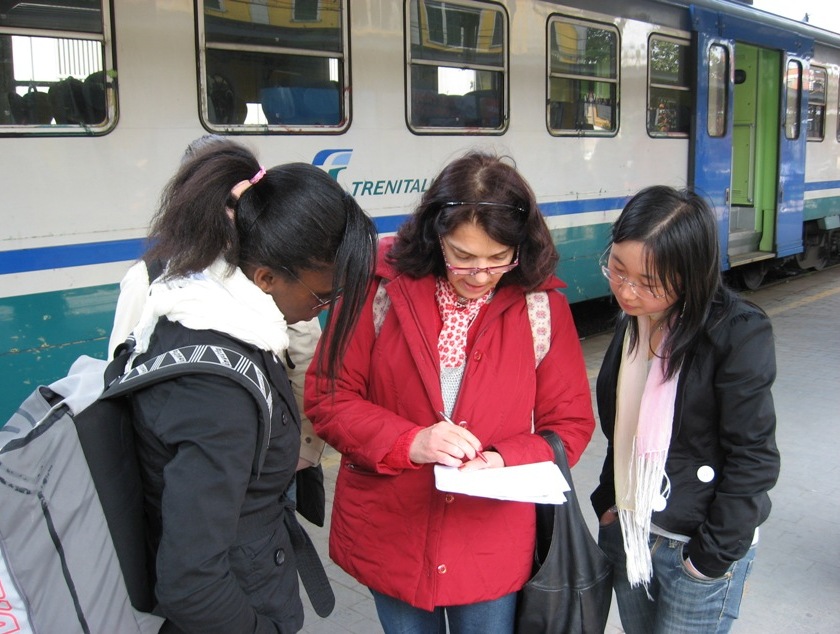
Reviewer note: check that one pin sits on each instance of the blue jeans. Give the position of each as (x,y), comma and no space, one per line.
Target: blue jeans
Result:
(486,617)
(681,604)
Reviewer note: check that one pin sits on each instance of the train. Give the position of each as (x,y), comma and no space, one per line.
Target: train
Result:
(592,100)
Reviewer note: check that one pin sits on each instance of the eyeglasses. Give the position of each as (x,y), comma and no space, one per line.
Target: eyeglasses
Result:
(475,270)
(322,303)
(642,292)
(485,203)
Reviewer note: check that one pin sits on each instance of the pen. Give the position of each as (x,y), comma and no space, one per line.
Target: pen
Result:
(480,454)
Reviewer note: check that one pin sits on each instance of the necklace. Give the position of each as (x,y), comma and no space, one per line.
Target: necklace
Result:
(463,302)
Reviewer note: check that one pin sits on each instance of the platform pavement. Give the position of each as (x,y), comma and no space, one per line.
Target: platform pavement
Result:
(795,583)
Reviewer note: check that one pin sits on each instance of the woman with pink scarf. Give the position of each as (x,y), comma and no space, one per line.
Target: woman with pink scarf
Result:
(684,400)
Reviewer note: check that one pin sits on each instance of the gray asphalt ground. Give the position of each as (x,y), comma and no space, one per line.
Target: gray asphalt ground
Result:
(795,582)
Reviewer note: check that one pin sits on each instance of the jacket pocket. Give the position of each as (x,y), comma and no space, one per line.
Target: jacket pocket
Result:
(266,571)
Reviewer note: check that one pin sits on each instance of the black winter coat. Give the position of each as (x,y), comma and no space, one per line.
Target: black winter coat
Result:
(224,560)
(723,419)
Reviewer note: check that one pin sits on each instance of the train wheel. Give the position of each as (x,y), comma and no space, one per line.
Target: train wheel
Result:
(752,275)
(817,249)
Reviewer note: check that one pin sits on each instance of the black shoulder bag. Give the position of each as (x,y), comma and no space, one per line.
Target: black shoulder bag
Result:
(571,587)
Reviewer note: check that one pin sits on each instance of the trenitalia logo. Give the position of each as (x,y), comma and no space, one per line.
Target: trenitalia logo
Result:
(333,161)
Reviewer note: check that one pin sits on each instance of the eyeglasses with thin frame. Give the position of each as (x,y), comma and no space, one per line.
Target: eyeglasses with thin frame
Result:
(642,292)
(482,203)
(475,270)
(321,302)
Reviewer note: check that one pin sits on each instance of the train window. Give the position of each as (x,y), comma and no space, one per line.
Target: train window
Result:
(457,61)
(718,88)
(273,66)
(669,87)
(582,77)
(816,103)
(56,72)
(793,98)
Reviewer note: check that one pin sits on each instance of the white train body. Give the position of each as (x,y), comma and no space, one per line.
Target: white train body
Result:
(577,93)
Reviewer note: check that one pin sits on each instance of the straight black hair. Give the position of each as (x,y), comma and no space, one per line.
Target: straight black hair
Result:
(491,193)
(294,218)
(680,237)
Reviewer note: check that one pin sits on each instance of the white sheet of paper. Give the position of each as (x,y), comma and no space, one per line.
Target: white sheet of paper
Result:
(540,482)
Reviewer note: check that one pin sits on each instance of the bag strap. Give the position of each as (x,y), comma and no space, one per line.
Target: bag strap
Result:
(194,359)
(539,316)
(310,569)
(381,304)
(155,269)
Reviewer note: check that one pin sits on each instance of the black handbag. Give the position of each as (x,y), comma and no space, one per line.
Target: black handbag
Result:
(571,586)
(311,498)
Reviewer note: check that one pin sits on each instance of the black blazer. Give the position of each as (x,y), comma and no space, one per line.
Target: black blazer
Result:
(724,419)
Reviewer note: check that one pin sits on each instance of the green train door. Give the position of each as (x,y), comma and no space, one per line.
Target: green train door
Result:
(755,160)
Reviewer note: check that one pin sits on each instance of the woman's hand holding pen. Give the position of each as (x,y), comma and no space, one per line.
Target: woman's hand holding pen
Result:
(447,444)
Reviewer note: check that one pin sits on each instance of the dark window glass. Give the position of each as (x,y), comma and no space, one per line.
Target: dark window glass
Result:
(458,63)
(718,89)
(582,77)
(54,72)
(816,104)
(274,67)
(669,89)
(793,98)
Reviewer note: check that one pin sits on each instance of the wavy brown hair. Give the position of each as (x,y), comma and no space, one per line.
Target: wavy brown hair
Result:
(508,213)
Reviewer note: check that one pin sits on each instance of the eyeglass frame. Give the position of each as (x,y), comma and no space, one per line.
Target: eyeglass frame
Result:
(621,281)
(475,270)
(482,203)
(321,303)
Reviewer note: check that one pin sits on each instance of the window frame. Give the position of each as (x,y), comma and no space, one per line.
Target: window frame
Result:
(837,134)
(719,127)
(550,75)
(104,40)
(504,70)
(792,124)
(822,105)
(687,88)
(343,72)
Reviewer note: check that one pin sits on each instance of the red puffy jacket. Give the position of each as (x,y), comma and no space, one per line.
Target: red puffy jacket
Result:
(391,529)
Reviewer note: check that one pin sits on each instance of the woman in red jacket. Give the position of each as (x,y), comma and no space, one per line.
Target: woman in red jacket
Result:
(448,331)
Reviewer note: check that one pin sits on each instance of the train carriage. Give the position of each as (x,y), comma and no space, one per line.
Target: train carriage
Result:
(593,100)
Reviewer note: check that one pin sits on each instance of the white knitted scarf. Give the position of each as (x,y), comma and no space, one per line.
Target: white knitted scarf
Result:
(643,423)
(215,299)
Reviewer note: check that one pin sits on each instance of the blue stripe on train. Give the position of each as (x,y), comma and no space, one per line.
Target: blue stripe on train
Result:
(818,185)
(63,256)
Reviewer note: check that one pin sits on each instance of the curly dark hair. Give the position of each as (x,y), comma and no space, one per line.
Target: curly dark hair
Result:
(507,212)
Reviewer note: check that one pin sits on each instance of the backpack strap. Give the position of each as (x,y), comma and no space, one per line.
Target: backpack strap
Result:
(197,359)
(381,304)
(155,269)
(539,316)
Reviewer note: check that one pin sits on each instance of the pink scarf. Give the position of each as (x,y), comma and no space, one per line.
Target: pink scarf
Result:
(642,436)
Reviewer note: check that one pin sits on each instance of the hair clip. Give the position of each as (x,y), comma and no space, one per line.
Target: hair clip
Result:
(256,178)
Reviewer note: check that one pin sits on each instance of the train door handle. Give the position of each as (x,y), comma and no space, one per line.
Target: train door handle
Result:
(726,196)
